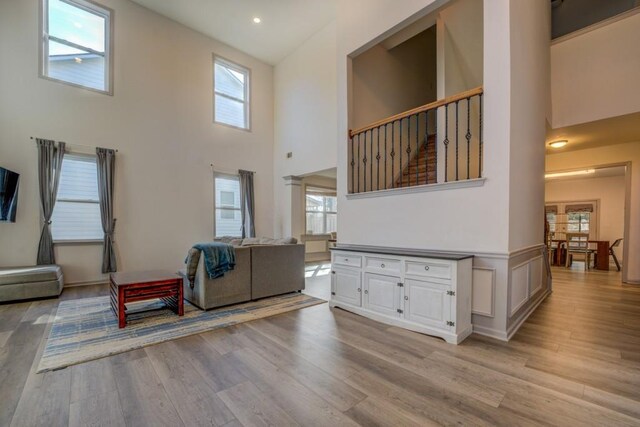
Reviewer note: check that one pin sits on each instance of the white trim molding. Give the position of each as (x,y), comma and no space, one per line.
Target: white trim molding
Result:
(467,183)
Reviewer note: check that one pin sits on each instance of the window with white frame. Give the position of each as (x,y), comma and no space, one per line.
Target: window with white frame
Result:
(76,41)
(321,210)
(76,214)
(231,94)
(228,218)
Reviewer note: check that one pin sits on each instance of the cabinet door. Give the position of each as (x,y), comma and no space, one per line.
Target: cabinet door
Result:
(346,286)
(427,303)
(381,294)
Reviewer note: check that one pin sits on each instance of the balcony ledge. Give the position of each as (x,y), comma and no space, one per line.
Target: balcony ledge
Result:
(467,183)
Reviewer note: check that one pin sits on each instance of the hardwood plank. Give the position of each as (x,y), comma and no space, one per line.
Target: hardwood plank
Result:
(380,412)
(302,404)
(143,398)
(331,389)
(98,410)
(253,408)
(92,379)
(195,402)
(215,370)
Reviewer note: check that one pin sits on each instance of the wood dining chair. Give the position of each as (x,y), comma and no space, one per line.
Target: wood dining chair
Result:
(578,244)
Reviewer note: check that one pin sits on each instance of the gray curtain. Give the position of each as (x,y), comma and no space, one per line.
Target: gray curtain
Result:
(49,166)
(106,159)
(247,204)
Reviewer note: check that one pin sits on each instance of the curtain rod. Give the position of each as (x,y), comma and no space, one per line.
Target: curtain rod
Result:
(80,145)
(227,171)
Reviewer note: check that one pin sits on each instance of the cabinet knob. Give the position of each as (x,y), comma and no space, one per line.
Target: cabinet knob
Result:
(381,265)
(333,272)
(346,260)
(426,267)
(406,298)
(359,290)
(366,291)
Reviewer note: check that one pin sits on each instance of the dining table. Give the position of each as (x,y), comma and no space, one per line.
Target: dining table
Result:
(601,250)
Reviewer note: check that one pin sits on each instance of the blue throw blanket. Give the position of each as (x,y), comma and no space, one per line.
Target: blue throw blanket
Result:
(218,258)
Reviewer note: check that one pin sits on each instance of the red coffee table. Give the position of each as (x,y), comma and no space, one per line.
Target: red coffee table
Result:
(145,285)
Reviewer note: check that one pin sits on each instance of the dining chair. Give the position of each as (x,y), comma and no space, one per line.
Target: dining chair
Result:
(615,244)
(578,244)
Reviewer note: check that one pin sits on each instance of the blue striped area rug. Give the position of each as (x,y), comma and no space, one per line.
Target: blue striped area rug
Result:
(87,329)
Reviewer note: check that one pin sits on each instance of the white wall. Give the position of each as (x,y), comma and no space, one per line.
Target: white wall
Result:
(608,191)
(305,114)
(388,82)
(594,74)
(160,119)
(460,39)
(609,155)
(530,108)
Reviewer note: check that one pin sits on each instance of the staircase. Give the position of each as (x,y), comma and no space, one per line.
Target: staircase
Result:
(421,168)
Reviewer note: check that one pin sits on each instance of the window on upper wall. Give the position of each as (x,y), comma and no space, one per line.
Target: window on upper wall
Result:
(231,94)
(228,218)
(76,214)
(76,43)
(321,210)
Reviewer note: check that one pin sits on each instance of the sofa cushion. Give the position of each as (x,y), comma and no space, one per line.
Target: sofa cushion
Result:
(265,241)
(28,274)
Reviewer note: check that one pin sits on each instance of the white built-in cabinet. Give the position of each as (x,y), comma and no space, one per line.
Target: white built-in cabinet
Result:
(430,294)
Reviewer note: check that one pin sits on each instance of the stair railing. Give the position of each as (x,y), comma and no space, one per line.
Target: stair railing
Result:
(434,143)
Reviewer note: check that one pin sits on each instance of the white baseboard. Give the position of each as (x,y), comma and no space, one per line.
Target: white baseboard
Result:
(489,332)
(78,284)
(514,328)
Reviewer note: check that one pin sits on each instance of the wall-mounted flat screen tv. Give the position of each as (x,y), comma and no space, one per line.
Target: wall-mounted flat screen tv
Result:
(8,195)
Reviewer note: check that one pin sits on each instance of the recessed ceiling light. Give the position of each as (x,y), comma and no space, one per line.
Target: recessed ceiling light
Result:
(257,20)
(558,144)
(570,173)
(78,60)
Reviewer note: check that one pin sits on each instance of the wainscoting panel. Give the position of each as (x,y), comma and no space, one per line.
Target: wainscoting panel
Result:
(519,287)
(483,291)
(535,275)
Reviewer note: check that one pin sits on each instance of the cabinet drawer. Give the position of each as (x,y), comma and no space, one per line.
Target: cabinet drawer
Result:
(382,265)
(347,259)
(428,269)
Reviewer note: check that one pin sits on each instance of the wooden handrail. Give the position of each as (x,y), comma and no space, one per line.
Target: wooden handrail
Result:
(435,104)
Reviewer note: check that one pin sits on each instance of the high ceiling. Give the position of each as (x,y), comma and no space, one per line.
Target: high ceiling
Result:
(616,130)
(284,25)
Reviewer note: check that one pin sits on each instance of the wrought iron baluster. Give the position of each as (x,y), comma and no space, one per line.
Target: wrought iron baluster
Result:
(426,147)
(480,140)
(435,143)
(393,154)
(353,164)
(385,155)
(400,151)
(408,153)
(418,148)
(446,143)
(371,163)
(457,148)
(359,162)
(378,159)
(468,136)
(364,163)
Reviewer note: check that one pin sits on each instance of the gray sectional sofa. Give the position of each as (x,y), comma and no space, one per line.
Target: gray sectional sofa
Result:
(19,283)
(262,270)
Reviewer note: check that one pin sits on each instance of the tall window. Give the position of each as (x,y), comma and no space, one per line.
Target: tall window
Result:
(231,94)
(76,214)
(578,222)
(322,210)
(228,218)
(76,41)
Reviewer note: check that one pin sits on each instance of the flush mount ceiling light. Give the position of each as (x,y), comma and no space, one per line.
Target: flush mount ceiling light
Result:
(558,144)
(570,173)
(257,20)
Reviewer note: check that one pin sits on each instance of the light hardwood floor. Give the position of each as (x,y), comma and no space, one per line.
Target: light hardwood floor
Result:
(576,361)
